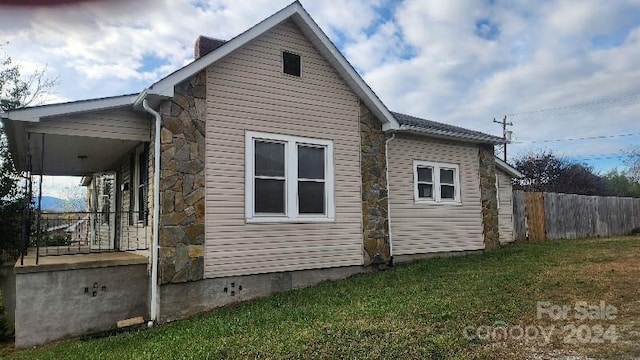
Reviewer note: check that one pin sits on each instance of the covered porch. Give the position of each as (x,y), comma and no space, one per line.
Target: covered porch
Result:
(82,272)
(104,141)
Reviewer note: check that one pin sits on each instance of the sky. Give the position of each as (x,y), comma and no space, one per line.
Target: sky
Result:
(565,73)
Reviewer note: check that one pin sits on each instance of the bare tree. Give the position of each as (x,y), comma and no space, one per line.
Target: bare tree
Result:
(18,90)
(633,162)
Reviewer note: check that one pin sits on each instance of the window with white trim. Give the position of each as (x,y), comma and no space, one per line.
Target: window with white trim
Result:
(436,182)
(497,191)
(288,178)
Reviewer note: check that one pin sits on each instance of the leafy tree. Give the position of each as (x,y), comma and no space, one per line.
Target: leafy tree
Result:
(544,171)
(622,184)
(580,179)
(16,91)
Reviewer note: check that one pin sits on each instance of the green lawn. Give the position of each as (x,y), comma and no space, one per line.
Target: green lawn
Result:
(414,311)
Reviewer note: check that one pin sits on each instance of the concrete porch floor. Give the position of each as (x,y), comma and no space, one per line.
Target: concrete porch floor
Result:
(79,261)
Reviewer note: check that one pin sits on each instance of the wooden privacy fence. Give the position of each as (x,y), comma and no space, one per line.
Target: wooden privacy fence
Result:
(539,216)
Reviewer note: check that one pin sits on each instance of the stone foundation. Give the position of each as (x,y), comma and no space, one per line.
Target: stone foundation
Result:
(182,185)
(373,164)
(488,196)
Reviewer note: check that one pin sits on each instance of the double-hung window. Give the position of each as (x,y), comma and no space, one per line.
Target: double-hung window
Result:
(436,182)
(288,178)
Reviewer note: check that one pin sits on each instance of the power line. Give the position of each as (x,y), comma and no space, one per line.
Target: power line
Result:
(603,103)
(608,100)
(595,137)
(598,157)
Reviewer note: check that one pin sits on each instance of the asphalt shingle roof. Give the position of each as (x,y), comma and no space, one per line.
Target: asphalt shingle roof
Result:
(408,122)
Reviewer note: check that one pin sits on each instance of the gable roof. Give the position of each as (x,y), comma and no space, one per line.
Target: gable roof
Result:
(164,87)
(510,170)
(420,126)
(296,13)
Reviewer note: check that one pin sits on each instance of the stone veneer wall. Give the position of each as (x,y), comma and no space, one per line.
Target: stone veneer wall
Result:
(488,196)
(182,159)
(373,165)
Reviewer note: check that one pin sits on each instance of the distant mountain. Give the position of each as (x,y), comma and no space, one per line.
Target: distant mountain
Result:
(52,203)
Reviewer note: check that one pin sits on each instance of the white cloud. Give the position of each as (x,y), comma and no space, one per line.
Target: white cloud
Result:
(462,62)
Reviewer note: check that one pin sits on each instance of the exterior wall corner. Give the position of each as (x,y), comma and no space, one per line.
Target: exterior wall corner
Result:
(375,204)
(488,196)
(182,172)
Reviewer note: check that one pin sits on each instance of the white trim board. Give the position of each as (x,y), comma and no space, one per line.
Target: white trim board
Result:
(510,170)
(33,114)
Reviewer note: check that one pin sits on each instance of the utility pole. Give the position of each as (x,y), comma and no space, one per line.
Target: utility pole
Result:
(505,134)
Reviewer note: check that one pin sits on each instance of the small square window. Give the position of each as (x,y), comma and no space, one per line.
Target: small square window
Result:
(291,63)
(436,182)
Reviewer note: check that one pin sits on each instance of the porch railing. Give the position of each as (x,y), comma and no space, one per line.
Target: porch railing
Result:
(64,233)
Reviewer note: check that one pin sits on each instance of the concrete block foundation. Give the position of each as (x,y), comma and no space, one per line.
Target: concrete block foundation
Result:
(60,299)
(410,258)
(178,301)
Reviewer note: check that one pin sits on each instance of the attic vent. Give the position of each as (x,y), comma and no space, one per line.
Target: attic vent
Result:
(291,63)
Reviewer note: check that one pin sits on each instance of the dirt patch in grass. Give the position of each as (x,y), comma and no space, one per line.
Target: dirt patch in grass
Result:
(622,266)
(606,278)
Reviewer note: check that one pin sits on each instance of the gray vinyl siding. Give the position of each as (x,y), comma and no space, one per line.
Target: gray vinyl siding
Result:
(110,124)
(434,227)
(505,211)
(247,91)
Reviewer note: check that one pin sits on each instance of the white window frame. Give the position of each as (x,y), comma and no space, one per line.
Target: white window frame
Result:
(135,182)
(291,212)
(497,191)
(436,166)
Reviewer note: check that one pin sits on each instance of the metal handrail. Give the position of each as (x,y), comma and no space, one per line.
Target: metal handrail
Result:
(64,233)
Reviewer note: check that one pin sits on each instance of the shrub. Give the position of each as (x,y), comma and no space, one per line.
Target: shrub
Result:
(5,328)
(635,231)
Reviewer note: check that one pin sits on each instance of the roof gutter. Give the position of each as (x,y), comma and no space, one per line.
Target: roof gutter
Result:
(450,135)
(150,97)
(156,211)
(140,99)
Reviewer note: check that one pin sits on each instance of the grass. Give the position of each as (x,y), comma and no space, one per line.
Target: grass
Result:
(415,311)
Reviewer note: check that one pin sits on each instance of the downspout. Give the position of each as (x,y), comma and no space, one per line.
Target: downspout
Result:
(386,157)
(156,214)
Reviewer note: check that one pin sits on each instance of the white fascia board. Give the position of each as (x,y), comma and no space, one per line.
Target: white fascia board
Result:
(510,170)
(449,135)
(33,114)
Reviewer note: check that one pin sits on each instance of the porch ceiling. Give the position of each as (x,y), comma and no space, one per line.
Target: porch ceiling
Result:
(80,138)
(76,155)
